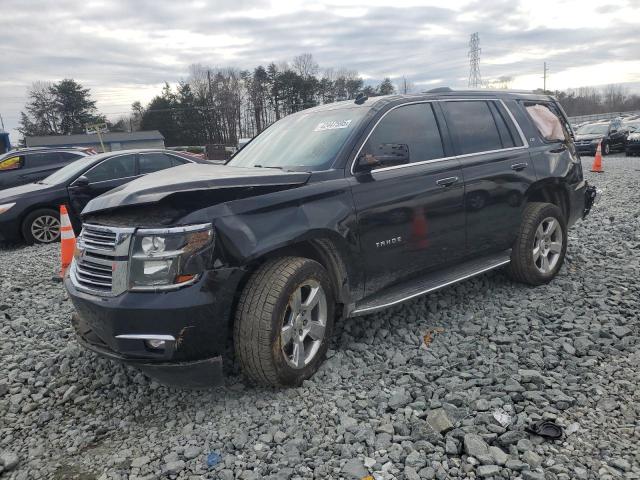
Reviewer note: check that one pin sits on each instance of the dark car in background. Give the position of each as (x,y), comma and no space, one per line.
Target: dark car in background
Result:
(633,141)
(612,135)
(30,212)
(28,165)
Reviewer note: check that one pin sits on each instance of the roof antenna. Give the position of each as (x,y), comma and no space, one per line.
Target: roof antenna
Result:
(361,98)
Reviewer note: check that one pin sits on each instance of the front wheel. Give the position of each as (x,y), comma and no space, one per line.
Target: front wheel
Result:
(284,321)
(41,226)
(540,248)
(606,149)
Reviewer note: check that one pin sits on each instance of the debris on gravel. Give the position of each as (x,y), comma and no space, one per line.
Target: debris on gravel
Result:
(385,404)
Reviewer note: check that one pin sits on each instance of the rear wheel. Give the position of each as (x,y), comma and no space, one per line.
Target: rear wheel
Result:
(540,248)
(41,226)
(284,321)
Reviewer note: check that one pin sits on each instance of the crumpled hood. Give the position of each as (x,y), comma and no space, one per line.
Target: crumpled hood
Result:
(190,178)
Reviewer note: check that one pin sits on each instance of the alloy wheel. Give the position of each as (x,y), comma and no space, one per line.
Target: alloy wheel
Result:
(547,245)
(304,324)
(45,229)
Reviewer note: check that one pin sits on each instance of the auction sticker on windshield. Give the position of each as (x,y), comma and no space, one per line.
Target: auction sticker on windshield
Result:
(332,125)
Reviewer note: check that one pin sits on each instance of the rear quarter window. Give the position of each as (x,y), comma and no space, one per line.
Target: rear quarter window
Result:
(547,121)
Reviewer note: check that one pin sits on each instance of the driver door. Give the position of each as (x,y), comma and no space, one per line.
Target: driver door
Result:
(410,216)
(108,174)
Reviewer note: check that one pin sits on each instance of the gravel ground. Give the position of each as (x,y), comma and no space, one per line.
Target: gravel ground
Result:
(409,393)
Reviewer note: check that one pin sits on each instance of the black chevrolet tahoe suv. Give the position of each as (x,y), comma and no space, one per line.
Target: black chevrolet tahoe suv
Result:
(336,211)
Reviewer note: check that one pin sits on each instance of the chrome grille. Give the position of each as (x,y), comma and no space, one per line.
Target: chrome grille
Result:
(100,239)
(101,263)
(94,275)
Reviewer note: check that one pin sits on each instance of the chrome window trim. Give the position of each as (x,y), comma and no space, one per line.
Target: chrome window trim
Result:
(525,143)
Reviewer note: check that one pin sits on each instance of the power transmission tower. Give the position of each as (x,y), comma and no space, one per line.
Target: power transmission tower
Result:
(475,80)
(544,81)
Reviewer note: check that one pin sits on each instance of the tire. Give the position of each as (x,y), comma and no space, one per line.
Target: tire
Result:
(525,266)
(265,328)
(41,226)
(606,149)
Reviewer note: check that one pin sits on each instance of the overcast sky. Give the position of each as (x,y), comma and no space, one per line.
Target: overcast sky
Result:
(124,50)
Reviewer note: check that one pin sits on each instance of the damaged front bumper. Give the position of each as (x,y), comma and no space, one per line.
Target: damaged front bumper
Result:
(591,195)
(177,337)
(187,374)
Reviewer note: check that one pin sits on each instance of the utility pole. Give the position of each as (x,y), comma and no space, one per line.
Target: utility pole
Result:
(475,80)
(2,123)
(544,81)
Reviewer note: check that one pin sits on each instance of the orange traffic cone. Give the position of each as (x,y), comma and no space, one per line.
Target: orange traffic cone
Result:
(597,161)
(67,241)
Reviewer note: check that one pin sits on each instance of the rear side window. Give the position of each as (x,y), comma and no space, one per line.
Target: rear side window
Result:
(11,163)
(152,162)
(34,160)
(473,127)
(412,125)
(117,167)
(69,156)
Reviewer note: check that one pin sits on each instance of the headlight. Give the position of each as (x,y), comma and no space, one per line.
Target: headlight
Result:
(167,258)
(6,206)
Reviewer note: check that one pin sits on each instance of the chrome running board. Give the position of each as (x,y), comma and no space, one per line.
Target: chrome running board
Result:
(432,281)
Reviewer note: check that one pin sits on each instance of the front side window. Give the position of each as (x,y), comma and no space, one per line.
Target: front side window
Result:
(113,168)
(10,163)
(412,129)
(473,126)
(152,162)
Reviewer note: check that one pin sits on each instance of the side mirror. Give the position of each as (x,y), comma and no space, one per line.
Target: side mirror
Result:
(385,155)
(81,181)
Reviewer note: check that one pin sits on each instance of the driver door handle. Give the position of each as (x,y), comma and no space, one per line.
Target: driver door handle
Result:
(519,166)
(445,182)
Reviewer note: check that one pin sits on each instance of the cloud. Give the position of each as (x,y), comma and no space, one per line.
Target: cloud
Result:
(126,50)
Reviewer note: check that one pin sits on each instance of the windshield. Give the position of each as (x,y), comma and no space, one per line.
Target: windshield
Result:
(594,128)
(68,172)
(303,141)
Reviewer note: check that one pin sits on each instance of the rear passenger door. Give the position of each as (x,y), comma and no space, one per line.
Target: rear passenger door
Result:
(410,216)
(497,171)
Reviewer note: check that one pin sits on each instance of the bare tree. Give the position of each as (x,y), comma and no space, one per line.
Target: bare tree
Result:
(305,66)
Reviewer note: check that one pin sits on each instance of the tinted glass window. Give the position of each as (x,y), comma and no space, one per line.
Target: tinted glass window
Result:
(472,126)
(41,159)
(152,162)
(412,125)
(175,161)
(113,168)
(503,131)
(69,156)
